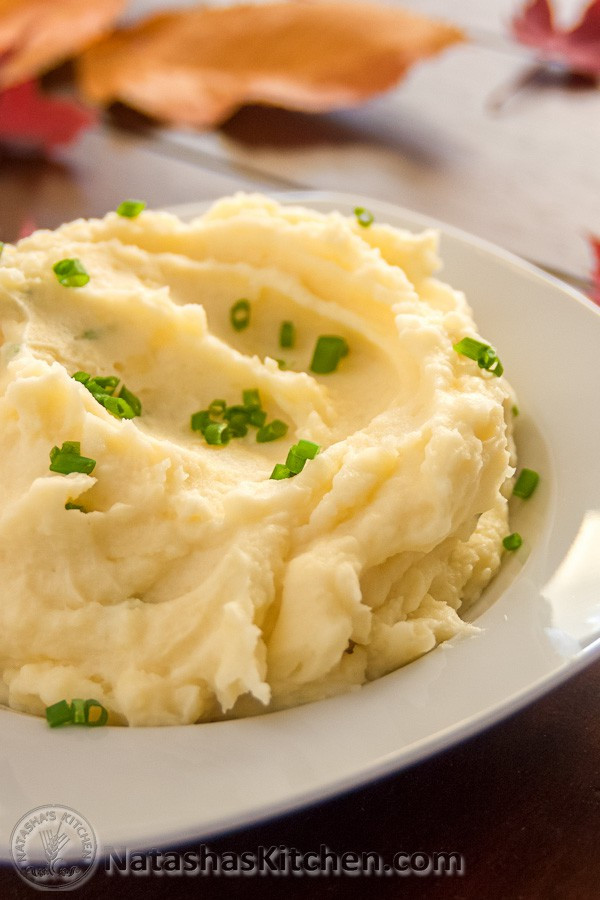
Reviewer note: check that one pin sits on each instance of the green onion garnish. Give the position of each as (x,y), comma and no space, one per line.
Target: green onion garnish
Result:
(329,349)
(306,449)
(217,434)
(78,712)
(251,398)
(287,334)
(294,462)
(131,208)
(239,314)
(483,354)
(526,483)
(90,335)
(102,388)
(512,541)
(200,420)
(71,273)
(280,471)
(515,410)
(59,714)
(257,417)
(271,432)
(363,216)
(217,407)
(71,505)
(281,363)
(68,459)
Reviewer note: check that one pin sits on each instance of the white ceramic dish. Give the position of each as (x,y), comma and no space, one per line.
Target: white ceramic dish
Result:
(541,623)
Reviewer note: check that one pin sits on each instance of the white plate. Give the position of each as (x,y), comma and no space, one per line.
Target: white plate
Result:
(158,787)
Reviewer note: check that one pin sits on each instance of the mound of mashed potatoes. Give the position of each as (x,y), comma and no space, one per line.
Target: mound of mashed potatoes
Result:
(190,584)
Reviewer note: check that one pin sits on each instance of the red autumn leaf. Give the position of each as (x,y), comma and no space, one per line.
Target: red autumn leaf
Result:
(29,117)
(578,48)
(595,294)
(197,66)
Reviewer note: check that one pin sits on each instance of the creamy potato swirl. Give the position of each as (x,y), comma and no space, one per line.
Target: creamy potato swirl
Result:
(194,585)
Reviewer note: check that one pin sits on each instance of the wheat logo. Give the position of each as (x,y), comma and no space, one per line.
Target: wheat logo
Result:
(54,847)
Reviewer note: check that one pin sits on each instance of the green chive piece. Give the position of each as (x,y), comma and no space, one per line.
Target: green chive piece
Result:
(95,720)
(526,484)
(306,449)
(71,273)
(236,410)
(515,411)
(117,406)
(90,335)
(132,401)
(200,420)
(329,350)
(102,384)
(239,314)
(363,216)
(281,363)
(82,377)
(59,714)
(484,355)
(280,471)
(294,462)
(129,209)
(68,459)
(512,541)
(238,425)
(71,505)
(257,417)
(217,407)
(271,432)
(78,711)
(251,399)
(217,434)
(287,334)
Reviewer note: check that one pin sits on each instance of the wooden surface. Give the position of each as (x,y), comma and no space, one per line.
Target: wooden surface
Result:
(521,802)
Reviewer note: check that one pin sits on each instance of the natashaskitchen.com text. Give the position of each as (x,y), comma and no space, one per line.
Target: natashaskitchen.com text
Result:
(280,860)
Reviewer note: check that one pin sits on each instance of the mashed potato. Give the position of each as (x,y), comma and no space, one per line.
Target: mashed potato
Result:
(192,585)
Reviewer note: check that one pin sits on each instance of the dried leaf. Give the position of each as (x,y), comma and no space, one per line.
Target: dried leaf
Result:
(198,66)
(30,117)
(577,49)
(595,294)
(36,35)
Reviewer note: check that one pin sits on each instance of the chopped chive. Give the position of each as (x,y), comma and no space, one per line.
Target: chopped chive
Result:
(257,417)
(280,471)
(483,354)
(329,350)
(239,314)
(306,449)
(90,335)
(217,407)
(281,363)
(102,384)
(251,398)
(100,719)
(59,714)
(512,541)
(71,505)
(515,410)
(526,483)
(68,459)
(236,410)
(78,711)
(200,420)
(117,406)
(294,462)
(82,377)
(217,434)
(71,273)
(287,334)
(129,209)
(271,432)
(132,401)
(363,216)
(238,425)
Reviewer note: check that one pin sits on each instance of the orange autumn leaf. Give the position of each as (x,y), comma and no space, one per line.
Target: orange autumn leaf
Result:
(36,35)
(198,66)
